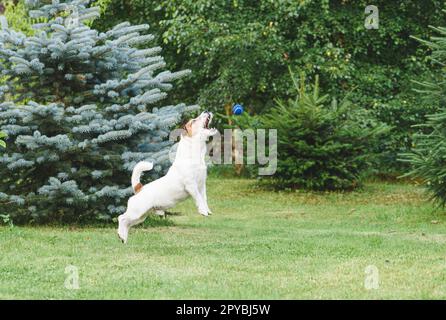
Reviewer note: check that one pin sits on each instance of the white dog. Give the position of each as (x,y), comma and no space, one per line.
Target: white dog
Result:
(186,176)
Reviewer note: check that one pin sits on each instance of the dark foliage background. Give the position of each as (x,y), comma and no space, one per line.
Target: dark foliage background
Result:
(240,51)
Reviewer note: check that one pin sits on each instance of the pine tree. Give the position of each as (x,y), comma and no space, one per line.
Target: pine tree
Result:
(428,154)
(77,105)
(322,144)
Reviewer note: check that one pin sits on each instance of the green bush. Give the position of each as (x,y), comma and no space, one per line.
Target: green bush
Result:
(321,145)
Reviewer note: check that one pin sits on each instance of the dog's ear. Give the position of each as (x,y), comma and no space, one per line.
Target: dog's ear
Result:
(187,127)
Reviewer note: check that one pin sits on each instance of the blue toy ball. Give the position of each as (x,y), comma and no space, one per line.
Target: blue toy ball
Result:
(237,109)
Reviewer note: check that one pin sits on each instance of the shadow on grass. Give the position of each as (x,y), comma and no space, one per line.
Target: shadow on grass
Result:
(154,221)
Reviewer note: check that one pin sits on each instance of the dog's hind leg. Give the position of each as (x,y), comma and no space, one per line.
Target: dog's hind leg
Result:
(133,216)
(126,221)
(123,228)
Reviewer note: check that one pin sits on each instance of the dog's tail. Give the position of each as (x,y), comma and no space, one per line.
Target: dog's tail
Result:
(136,175)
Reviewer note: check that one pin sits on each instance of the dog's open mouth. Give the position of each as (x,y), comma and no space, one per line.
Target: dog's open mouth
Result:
(208,120)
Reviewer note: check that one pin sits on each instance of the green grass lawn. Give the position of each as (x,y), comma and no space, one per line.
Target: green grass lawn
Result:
(258,244)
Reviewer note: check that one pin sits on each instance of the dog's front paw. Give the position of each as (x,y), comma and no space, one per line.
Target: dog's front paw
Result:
(203,212)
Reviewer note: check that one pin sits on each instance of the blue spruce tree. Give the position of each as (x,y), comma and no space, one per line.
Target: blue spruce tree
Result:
(77,105)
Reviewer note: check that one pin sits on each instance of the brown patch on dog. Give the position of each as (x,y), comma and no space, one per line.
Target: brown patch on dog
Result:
(188,128)
(138,188)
